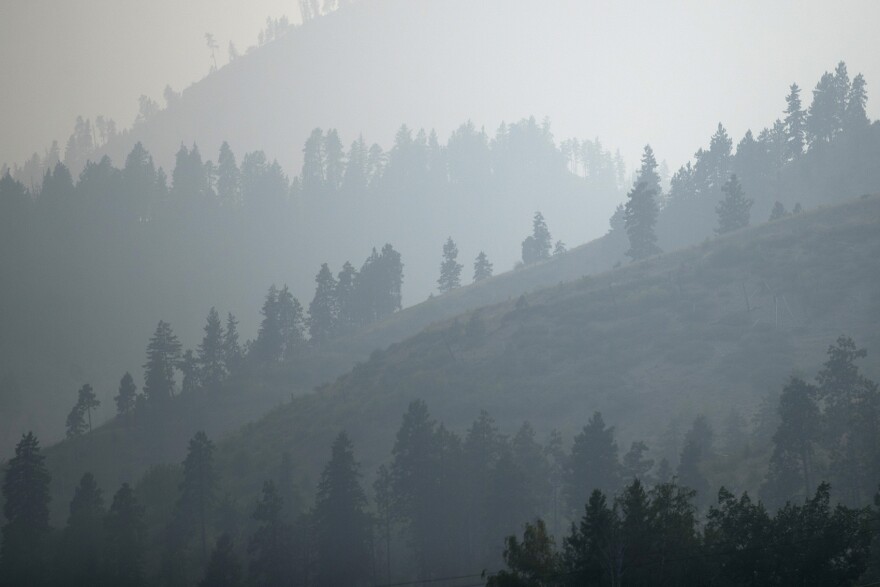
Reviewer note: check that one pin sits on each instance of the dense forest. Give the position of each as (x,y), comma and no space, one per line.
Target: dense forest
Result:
(687,399)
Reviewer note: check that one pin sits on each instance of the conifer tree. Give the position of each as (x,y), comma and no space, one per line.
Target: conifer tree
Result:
(313,163)
(125,532)
(795,120)
(126,396)
(794,443)
(733,209)
(163,354)
(324,308)
(269,344)
(76,421)
(334,165)
(26,508)
(592,464)
(232,353)
(450,268)
(346,317)
(82,542)
(80,417)
(821,123)
(211,363)
(197,497)
(342,541)
(291,323)
(482,267)
(385,513)
(537,247)
(228,177)
(855,115)
(640,212)
(224,569)
(271,544)
(559,248)
(188,365)
(697,449)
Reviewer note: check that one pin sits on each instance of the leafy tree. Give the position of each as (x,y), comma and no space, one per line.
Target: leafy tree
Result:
(482,267)
(450,268)
(778,212)
(794,444)
(211,363)
(795,122)
(163,353)
(342,541)
(324,308)
(224,569)
(127,395)
(26,508)
(733,209)
(641,210)
(537,246)
(197,490)
(592,463)
(125,532)
(530,563)
(82,541)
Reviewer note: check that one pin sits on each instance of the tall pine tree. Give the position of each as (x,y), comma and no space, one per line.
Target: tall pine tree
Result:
(641,210)
(450,268)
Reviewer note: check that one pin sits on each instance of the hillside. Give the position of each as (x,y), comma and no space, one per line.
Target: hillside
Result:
(650,344)
(119,451)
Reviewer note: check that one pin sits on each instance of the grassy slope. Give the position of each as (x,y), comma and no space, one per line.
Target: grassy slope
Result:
(651,342)
(118,452)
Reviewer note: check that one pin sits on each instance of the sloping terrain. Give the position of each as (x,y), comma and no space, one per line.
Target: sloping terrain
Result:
(704,330)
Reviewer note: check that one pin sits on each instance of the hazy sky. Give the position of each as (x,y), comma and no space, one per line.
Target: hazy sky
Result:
(698,61)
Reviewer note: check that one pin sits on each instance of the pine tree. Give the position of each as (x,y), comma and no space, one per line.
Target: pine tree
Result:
(195,505)
(821,123)
(269,344)
(82,542)
(228,177)
(342,541)
(640,212)
(385,513)
(589,553)
(324,308)
(450,268)
(795,121)
(291,324)
(559,248)
(791,464)
(211,363)
(26,508)
(125,532)
(188,365)
(635,465)
(313,164)
(76,421)
(346,317)
(232,353)
(80,417)
(855,116)
(334,165)
(271,544)
(127,395)
(482,267)
(697,449)
(224,569)
(163,354)
(733,209)
(537,246)
(592,463)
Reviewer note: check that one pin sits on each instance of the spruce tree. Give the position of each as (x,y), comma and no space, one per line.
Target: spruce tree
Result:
(291,323)
(537,247)
(733,209)
(450,268)
(82,541)
(324,308)
(197,490)
(269,344)
(482,267)
(342,541)
(126,396)
(211,363)
(163,354)
(640,211)
(125,532)
(26,508)
(795,121)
